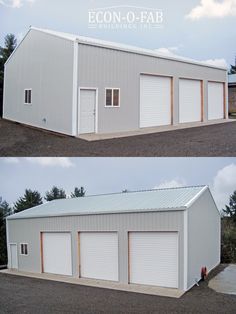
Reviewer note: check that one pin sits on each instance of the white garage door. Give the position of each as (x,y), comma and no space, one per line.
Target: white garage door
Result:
(99,255)
(57,253)
(154,258)
(87,111)
(155,101)
(189,101)
(215,101)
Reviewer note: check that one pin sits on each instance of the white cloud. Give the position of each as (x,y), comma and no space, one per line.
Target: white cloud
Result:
(224,184)
(63,162)
(174,183)
(11,160)
(170,51)
(217,62)
(16,4)
(213,9)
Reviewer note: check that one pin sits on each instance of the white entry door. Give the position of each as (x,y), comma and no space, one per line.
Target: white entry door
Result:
(99,255)
(215,100)
(155,101)
(154,258)
(57,253)
(189,101)
(87,111)
(13,256)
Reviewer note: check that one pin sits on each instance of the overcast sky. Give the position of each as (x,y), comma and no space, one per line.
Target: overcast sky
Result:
(198,29)
(107,175)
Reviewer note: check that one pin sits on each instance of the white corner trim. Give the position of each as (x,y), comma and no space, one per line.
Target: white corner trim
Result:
(196,196)
(8,247)
(185,218)
(75,89)
(4,92)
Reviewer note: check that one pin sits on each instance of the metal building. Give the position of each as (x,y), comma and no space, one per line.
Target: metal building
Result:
(77,85)
(232,93)
(159,237)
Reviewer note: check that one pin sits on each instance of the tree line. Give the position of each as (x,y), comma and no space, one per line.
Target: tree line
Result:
(28,200)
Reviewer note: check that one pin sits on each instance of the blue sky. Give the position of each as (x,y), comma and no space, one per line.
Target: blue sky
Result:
(108,175)
(198,29)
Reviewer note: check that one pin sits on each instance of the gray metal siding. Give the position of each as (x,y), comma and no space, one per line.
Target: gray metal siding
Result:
(45,64)
(101,67)
(28,230)
(203,237)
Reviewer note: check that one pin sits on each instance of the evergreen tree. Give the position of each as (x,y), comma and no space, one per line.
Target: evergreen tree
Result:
(230,210)
(78,192)
(233,68)
(5,210)
(5,52)
(29,200)
(55,194)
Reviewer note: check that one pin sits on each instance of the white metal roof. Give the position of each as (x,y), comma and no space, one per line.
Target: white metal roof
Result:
(141,201)
(122,47)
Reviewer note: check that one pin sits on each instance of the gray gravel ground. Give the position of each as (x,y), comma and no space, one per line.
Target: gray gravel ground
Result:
(214,140)
(27,295)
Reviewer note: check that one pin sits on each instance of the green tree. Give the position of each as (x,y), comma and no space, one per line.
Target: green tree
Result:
(5,52)
(230,210)
(78,192)
(29,200)
(233,68)
(55,194)
(5,210)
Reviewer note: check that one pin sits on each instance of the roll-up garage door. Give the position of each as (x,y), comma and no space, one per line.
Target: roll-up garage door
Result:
(215,100)
(57,253)
(99,255)
(154,258)
(189,100)
(155,101)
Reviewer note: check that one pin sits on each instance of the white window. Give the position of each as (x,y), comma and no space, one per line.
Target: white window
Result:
(24,249)
(28,96)
(112,97)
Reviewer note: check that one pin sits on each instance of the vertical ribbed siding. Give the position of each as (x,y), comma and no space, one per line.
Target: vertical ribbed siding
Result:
(203,237)
(45,64)
(102,67)
(28,230)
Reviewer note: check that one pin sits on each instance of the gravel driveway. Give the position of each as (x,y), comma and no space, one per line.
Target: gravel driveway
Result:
(213,140)
(27,295)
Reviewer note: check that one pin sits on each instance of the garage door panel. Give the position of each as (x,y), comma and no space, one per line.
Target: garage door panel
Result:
(215,100)
(57,253)
(154,258)
(189,101)
(155,101)
(99,255)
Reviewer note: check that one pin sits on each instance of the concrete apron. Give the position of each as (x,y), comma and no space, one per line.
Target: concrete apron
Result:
(225,281)
(95,137)
(151,290)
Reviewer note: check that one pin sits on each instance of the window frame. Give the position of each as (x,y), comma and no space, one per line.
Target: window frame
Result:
(25,91)
(27,245)
(112,97)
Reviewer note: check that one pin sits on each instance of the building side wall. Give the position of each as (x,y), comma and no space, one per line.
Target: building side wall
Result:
(101,67)
(232,99)
(28,231)
(45,64)
(203,237)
